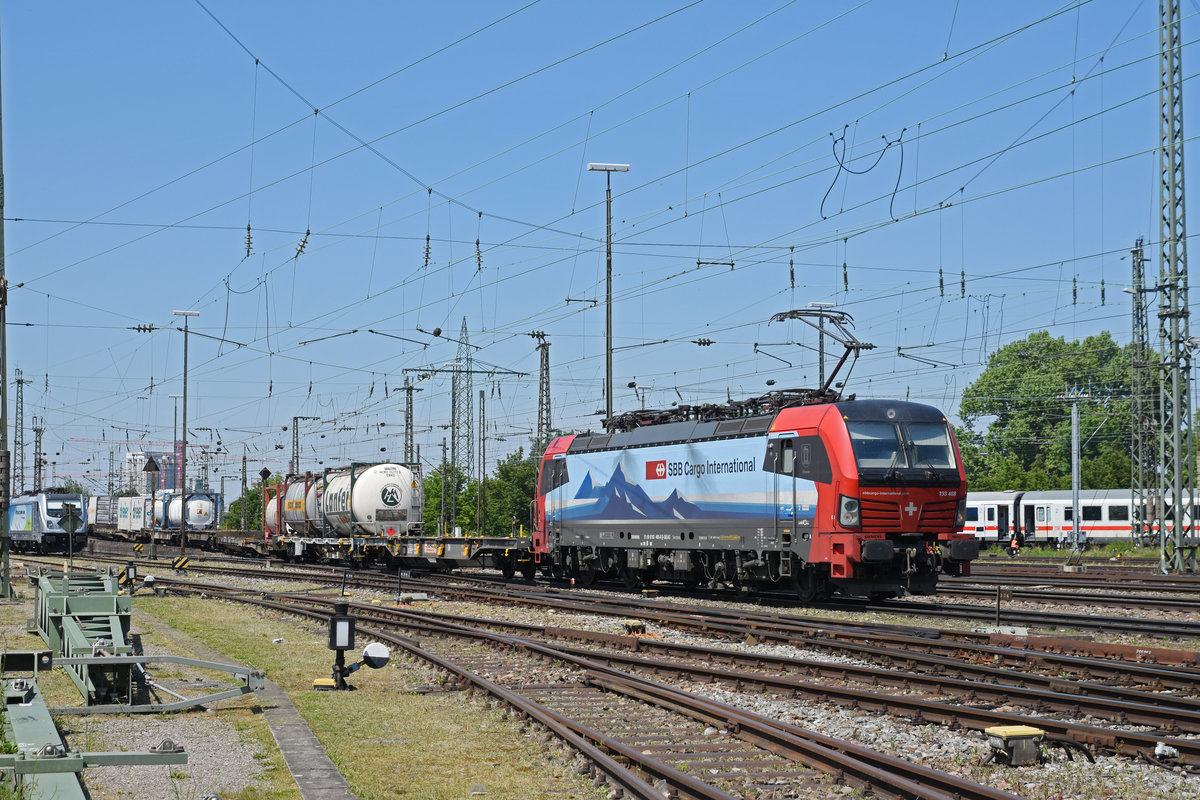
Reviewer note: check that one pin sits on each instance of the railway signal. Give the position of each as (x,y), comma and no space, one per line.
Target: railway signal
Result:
(341,639)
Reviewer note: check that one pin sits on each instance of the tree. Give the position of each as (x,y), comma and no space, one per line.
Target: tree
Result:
(464,494)
(72,486)
(253,501)
(1017,415)
(510,493)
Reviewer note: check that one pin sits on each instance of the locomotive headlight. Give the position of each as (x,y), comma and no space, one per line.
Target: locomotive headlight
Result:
(960,514)
(848,511)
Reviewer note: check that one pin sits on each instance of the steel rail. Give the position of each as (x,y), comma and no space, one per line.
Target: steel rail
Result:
(939,668)
(852,762)
(1010,616)
(620,775)
(1124,741)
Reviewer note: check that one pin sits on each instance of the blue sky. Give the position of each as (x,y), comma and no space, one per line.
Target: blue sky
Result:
(1000,164)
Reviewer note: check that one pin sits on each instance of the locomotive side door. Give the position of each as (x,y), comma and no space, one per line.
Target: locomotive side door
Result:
(556,500)
(781,464)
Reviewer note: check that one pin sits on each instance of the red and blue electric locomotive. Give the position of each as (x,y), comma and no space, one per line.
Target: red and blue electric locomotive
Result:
(795,489)
(863,497)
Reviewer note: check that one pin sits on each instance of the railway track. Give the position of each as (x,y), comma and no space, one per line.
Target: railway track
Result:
(675,743)
(1042,593)
(485,589)
(1115,699)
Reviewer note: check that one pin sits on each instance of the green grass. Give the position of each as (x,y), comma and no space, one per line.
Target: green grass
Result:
(1112,550)
(387,741)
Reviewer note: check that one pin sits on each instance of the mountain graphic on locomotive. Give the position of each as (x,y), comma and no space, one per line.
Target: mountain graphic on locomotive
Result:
(796,489)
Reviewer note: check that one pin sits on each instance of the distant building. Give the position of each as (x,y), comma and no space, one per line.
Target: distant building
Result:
(135,477)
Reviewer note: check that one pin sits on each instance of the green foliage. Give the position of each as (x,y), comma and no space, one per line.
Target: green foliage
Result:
(509,492)
(73,486)
(1017,415)
(464,494)
(253,501)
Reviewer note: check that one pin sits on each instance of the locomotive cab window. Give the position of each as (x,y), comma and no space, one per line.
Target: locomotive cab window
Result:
(876,445)
(799,456)
(554,475)
(929,445)
(902,445)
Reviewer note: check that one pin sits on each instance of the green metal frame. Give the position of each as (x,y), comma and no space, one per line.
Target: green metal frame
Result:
(253,680)
(85,614)
(43,766)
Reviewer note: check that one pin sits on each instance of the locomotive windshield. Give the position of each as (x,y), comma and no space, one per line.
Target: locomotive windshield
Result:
(901,445)
(54,508)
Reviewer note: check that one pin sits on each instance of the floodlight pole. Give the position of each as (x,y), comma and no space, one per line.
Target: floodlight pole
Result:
(608,170)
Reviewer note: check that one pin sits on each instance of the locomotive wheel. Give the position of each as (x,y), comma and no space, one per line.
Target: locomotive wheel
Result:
(631,578)
(528,569)
(808,585)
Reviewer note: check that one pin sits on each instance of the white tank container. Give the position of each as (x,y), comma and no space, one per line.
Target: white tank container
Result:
(295,507)
(271,519)
(380,504)
(200,512)
(312,507)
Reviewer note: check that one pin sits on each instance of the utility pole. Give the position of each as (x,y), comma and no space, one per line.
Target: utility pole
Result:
(1177,551)
(112,467)
(183,490)
(38,459)
(409,452)
(460,412)
(608,170)
(244,500)
(442,517)
(1076,512)
(481,488)
(6,589)
(462,431)
(542,437)
(19,430)
(1144,445)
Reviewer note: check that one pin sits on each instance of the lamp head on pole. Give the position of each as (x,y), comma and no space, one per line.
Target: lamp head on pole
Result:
(597,167)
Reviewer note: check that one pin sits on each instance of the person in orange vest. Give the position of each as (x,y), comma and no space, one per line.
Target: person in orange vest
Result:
(1014,546)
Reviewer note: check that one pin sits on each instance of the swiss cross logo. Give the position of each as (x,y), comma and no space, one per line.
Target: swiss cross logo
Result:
(656,470)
